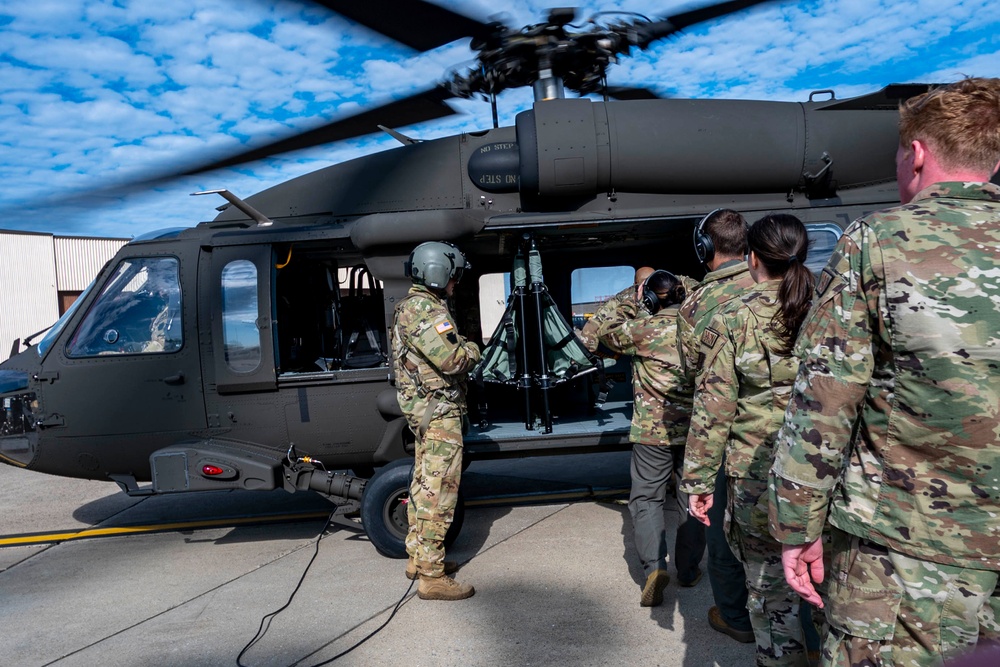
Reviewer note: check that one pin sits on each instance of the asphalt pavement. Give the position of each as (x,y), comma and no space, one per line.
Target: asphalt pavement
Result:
(548,549)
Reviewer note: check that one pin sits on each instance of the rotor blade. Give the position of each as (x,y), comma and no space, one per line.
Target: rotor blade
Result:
(630,93)
(428,105)
(424,106)
(655,30)
(418,24)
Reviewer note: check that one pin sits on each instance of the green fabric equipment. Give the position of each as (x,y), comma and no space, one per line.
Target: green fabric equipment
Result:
(533,347)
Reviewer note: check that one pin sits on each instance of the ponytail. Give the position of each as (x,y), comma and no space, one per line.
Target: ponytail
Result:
(781,244)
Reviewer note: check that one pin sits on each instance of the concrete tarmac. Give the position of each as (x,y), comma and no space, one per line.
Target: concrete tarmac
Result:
(557,583)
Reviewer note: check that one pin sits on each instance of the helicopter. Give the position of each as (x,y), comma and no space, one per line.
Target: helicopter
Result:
(252,351)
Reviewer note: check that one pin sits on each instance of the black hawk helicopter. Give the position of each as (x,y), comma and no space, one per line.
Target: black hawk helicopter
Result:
(252,351)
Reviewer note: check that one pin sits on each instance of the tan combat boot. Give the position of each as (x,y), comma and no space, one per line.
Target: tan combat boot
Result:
(652,592)
(411,569)
(443,588)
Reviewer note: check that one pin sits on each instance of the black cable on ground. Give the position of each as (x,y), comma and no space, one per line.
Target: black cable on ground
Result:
(370,634)
(379,628)
(265,623)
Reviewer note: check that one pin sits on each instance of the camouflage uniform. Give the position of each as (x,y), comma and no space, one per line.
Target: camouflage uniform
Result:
(661,413)
(660,416)
(891,434)
(430,362)
(591,331)
(739,404)
(725,572)
(730,281)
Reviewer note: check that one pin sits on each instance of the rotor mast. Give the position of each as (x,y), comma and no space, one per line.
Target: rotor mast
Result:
(548,86)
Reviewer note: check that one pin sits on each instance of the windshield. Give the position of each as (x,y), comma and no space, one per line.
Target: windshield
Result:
(137,312)
(46,342)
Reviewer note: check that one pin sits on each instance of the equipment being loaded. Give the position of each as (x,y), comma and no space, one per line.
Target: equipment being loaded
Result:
(533,347)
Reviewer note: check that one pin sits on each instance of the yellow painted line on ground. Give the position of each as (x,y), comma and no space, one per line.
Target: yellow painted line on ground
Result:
(13,462)
(45,538)
(89,533)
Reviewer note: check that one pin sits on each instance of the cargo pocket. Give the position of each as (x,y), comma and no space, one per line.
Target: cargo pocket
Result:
(867,611)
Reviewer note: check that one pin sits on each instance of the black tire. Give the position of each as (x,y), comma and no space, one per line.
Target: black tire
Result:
(383,510)
(365,471)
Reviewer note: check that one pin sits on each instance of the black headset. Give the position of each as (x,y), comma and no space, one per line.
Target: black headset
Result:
(703,245)
(652,301)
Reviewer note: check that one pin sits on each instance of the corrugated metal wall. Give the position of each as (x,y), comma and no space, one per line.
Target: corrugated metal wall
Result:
(34,268)
(28,293)
(78,259)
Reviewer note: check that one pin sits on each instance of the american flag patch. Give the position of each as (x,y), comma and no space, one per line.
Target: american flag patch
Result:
(444,327)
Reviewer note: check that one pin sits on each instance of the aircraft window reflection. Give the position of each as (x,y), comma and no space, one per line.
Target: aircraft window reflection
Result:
(822,240)
(592,286)
(240,335)
(138,312)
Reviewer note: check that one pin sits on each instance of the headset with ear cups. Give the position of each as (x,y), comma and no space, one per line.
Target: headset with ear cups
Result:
(652,301)
(704,248)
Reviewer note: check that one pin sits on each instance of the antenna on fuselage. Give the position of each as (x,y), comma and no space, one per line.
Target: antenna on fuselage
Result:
(262,220)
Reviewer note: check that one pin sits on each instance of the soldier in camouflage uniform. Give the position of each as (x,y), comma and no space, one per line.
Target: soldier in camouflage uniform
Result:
(431,361)
(645,329)
(891,433)
(728,279)
(590,333)
(739,403)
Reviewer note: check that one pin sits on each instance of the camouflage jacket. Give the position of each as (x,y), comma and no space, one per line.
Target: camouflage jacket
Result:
(741,392)
(716,290)
(660,413)
(590,333)
(892,429)
(430,358)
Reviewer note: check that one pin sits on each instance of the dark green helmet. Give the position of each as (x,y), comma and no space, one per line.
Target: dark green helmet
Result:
(434,263)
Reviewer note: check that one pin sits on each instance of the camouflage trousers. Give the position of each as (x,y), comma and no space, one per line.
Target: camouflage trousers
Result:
(773,605)
(437,472)
(890,610)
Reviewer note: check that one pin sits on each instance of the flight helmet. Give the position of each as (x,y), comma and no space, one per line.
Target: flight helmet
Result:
(434,263)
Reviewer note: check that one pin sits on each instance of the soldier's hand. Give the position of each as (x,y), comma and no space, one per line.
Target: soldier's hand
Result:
(699,504)
(803,564)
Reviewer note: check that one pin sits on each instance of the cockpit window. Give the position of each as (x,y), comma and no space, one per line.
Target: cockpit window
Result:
(138,312)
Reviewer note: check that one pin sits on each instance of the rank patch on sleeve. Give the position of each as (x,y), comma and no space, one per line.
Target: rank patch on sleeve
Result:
(709,337)
(444,327)
(824,282)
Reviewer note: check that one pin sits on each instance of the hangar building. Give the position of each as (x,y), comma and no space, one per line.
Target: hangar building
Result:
(41,275)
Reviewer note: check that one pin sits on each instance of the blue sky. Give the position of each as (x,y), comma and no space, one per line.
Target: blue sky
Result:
(93,92)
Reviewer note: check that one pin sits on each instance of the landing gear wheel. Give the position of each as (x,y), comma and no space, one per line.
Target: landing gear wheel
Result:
(383,510)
